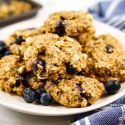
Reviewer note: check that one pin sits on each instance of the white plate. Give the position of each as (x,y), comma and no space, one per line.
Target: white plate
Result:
(18,104)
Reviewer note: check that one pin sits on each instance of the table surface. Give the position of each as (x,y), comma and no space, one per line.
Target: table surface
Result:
(9,117)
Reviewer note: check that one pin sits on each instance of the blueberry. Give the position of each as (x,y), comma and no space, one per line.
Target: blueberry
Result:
(45,99)
(112,86)
(109,48)
(36,62)
(19,40)
(3,49)
(39,92)
(2,43)
(79,87)
(70,69)
(62,17)
(8,52)
(60,28)
(29,95)
(22,81)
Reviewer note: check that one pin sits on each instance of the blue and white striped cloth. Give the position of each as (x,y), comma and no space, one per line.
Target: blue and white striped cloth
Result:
(114,114)
(112,13)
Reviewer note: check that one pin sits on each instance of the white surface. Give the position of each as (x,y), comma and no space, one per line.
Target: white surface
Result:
(8,117)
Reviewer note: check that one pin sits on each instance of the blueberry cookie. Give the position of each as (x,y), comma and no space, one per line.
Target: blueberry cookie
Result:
(11,69)
(106,58)
(70,23)
(13,76)
(33,81)
(13,8)
(53,57)
(79,91)
(17,39)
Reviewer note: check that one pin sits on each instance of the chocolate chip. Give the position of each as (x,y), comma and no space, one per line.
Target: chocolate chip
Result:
(109,48)
(60,28)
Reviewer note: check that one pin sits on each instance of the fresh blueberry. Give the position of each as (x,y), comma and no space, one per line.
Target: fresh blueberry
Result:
(3,49)
(45,99)
(36,62)
(29,95)
(60,27)
(112,86)
(19,40)
(109,48)
(2,43)
(70,69)
(39,92)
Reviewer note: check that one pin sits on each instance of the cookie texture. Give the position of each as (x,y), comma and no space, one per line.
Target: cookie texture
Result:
(106,58)
(77,92)
(11,70)
(61,60)
(70,23)
(53,57)
(17,39)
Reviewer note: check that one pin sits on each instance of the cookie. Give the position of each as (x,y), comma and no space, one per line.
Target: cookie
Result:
(9,8)
(53,57)
(33,81)
(11,69)
(79,91)
(106,58)
(17,39)
(69,23)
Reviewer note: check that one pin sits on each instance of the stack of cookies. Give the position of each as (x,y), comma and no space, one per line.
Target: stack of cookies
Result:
(62,60)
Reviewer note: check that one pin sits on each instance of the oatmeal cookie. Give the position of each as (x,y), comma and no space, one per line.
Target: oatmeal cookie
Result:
(13,76)
(54,57)
(33,81)
(17,39)
(70,23)
(11,69)
(77,92)
(9,8)
(106,58)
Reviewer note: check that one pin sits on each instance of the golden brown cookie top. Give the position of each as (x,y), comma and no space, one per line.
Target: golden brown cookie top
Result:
(70,23)
(57,53)
(79,91)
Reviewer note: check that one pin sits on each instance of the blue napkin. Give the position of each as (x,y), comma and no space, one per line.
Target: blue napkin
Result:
(112,13)
(114,114)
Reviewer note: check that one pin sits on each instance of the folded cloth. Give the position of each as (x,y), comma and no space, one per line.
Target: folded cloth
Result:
(113,114)
(111,12)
